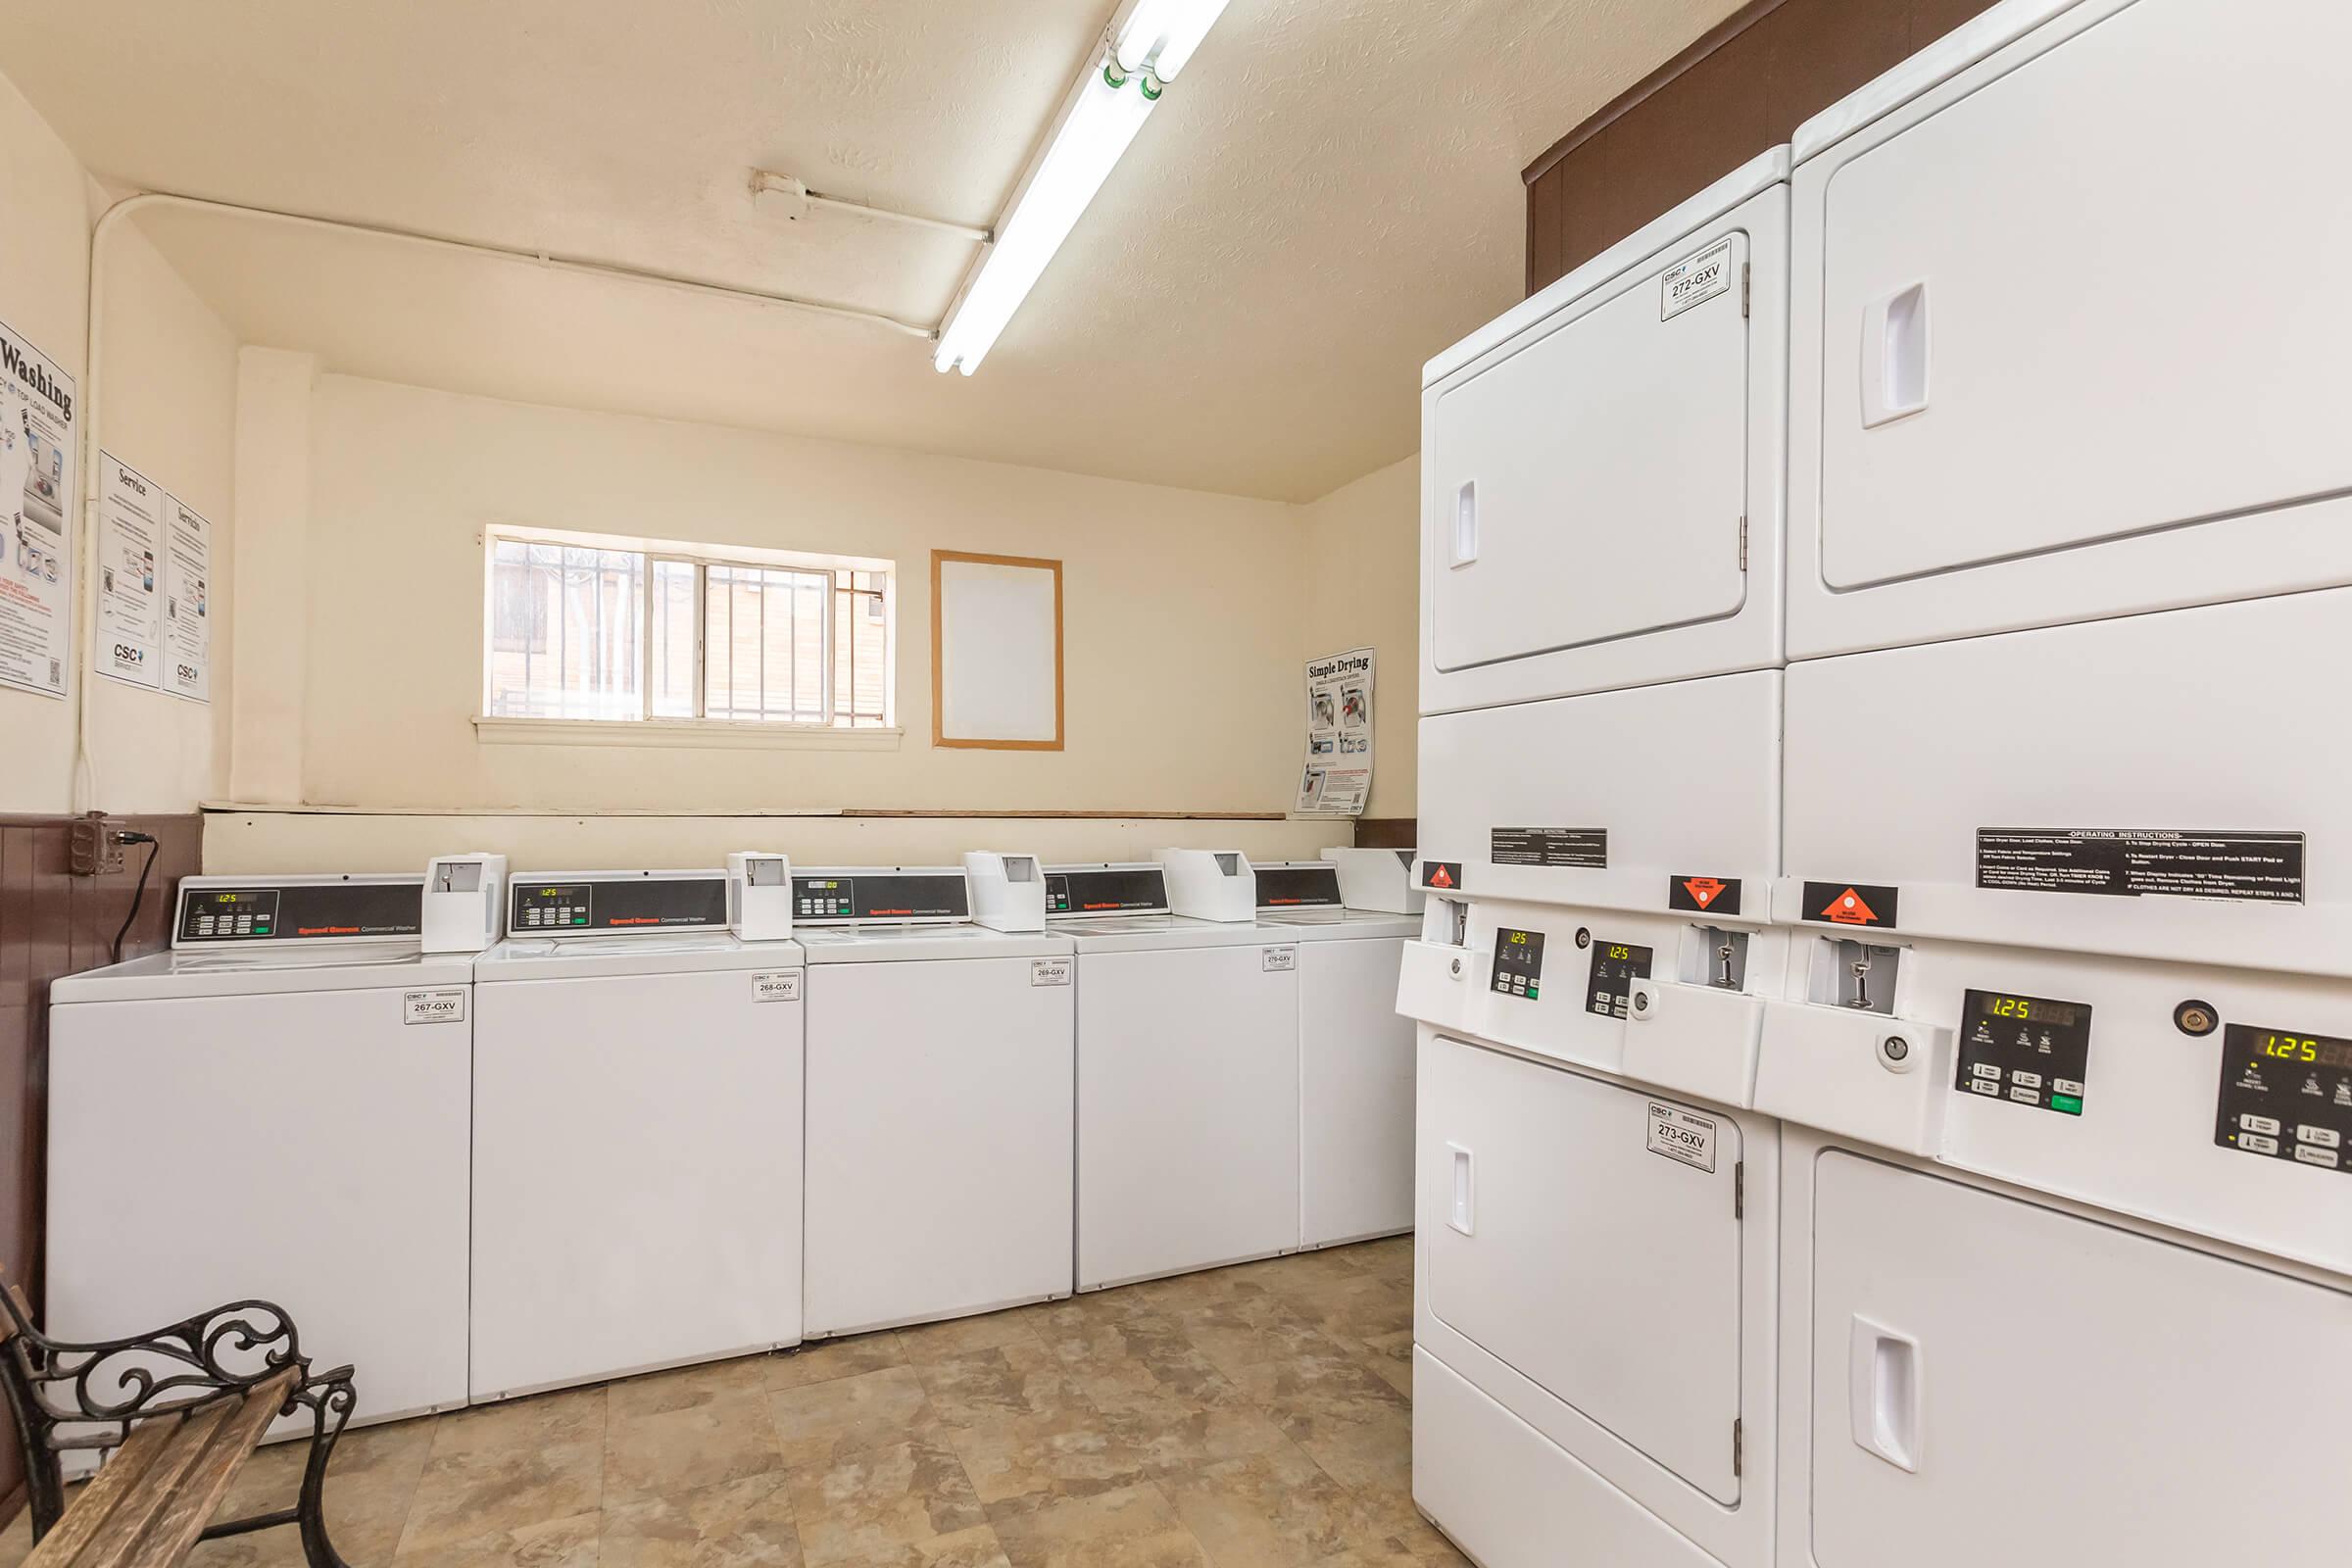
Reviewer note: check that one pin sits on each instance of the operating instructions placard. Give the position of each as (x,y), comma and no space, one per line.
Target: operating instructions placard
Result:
(2135,862)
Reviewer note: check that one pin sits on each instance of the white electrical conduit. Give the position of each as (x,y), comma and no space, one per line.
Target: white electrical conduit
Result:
(86,766)
(766,181)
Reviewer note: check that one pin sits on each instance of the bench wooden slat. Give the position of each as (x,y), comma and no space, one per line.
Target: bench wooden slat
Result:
(117,1540)
(90,1507)
(198,1496)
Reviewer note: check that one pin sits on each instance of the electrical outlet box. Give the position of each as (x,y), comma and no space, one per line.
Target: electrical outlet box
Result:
(95,850)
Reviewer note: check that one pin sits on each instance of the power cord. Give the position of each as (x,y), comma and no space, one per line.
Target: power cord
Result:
(138,895)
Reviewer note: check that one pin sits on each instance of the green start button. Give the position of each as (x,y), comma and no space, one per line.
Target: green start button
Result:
(2072,1104)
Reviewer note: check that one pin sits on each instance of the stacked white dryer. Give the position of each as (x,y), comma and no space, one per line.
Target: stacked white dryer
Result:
(2067,1249)
(1602,634)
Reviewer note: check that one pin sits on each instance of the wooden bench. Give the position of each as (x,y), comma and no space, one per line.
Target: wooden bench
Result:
(175,1414)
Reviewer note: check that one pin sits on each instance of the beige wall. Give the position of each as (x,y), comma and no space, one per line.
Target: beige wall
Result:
(1182,620)
(1364,565)
(166,405)
(44,294)
(264,841)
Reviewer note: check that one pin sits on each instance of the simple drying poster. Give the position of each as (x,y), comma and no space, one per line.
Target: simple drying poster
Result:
(36,509)
(1336,777)
(154,565)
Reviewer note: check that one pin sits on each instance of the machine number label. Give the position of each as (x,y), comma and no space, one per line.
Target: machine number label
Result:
(1575,847)
(1681,1135)
(1280,959)
(434,1007)
(1694,280)
(781,985)
(1049,972)
(2136,862)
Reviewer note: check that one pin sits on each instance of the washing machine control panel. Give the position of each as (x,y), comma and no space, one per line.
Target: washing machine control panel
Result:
(1108,890)
(883,896)
(1519,964)
(551,907)
(1313,885)
(2286,1094)
(1616,966)
(212,913)
(2024,1050)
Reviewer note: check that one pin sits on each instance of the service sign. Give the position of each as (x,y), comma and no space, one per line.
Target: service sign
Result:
(1049,971)
(1694,280)
(781,985)
(1681,1135)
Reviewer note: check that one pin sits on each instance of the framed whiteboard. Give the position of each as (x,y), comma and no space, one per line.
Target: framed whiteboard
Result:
(996,651)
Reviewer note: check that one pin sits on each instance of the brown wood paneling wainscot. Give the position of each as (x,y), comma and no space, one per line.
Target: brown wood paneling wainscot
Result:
(1743,88)
(55,923)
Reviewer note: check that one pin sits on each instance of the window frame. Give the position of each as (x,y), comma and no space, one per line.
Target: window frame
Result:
(680,728)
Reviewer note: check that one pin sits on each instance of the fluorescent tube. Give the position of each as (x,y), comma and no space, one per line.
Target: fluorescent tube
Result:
(1103,118)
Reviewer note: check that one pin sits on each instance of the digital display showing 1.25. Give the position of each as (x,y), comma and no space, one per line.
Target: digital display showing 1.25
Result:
(2032,1009)
(2320,1050)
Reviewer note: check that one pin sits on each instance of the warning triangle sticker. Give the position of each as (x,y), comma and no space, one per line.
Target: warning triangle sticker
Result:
(1849,908)
(1702,890)
(1440,878)
(1703,894)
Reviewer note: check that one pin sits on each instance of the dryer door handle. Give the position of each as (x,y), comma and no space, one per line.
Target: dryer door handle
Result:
(1461,1201)
(1883,1387)
(1894,357)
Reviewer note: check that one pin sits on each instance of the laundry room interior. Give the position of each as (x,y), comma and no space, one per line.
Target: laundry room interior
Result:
(1174,784)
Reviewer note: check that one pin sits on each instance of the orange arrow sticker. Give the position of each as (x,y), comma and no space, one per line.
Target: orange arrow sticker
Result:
(1702,888)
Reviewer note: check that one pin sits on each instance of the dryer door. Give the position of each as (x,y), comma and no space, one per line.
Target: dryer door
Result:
(2034,388)
(1994,1382)
(1588,484)
(1587,1236)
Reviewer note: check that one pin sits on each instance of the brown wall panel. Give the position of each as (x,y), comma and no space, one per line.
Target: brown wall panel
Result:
(1741,89)
(54,924)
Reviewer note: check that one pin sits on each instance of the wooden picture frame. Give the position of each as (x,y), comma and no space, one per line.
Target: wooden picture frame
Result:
(941,584)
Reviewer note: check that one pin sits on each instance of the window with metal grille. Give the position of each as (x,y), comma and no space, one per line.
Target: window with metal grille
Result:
(579,629)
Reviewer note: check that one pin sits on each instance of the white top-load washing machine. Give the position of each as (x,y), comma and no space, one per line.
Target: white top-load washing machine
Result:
(1188,1068)
(940,1094)
(636,1125)
(1355,1050)
(2067,1019)
(1595,1317)
(298,1060)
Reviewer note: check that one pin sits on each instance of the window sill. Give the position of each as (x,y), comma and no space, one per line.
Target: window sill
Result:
(674,733)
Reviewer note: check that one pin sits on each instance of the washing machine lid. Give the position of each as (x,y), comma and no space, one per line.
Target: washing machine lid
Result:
(903,944)
(1758,173)
(394,964)
(1151,933)
(1972,40)
(529,957)
(1326,925)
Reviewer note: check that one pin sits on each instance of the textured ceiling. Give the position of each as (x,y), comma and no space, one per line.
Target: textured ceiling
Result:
(1330,195)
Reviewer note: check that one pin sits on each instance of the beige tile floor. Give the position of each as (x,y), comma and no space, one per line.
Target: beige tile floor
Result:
(1251,1417)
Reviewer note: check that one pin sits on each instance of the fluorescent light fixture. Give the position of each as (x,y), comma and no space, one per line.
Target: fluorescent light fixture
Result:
(1163,33)
(1101,116)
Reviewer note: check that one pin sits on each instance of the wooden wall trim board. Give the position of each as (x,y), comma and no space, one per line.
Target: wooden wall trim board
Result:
(53,923)
(1743,86)
(939,736)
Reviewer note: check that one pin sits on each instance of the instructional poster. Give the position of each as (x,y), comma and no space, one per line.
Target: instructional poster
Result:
(130,644)
(187,607)
(1336,777)
(36,507)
